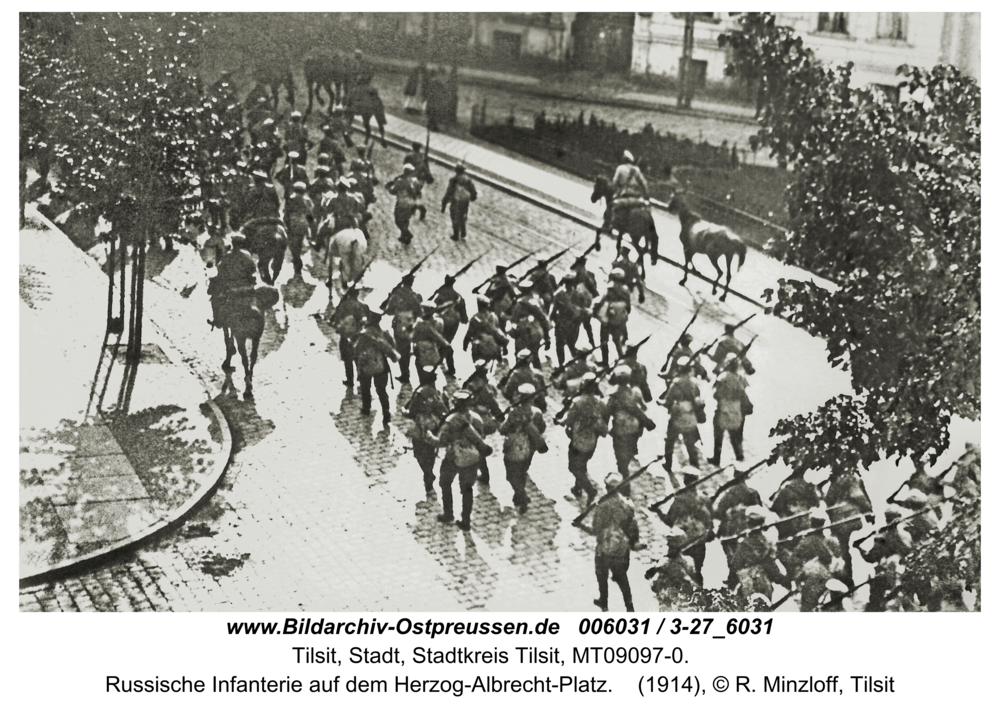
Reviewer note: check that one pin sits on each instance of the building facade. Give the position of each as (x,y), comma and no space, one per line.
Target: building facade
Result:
(876,42)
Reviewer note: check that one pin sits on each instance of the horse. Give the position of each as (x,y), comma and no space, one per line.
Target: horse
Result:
(636,221)
(328,72)
(349,245)
(267,238)
(364,102)
(714,241)
(274,76)
(242,321)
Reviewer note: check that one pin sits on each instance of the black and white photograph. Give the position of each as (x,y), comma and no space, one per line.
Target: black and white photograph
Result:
(499,312)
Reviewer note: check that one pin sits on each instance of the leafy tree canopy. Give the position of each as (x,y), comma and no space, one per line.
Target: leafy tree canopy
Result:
(884,200)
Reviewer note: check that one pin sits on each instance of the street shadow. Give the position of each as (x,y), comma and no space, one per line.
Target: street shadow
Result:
(296,292)
(533,549)
(247,426)
(376,455)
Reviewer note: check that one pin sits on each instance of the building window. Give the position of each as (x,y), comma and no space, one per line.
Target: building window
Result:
(835,22)
(891,26)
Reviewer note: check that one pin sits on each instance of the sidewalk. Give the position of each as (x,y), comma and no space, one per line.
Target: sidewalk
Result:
(584,87)
(105,460)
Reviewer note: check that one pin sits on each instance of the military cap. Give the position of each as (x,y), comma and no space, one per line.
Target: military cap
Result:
(238,240)
(617,274)
(360,150)
(523,354)
(261,99)
(324,169)
(344,181)
(481,365)
(756,514)
(461,397)
(357,53)
(501,269)
(612,480)
(483,301)
(730,328)
(260,174)
(628,157)
(295,115)
(527,285)
(580,261)
(683,363)
(459,168)
(416,145)
(325,128)
(323,158)
(408,168)
(686,339)
(226,73)
(293,154)
(299,186)
(526,389)
(408,278)
(429,369)
(893,512)
(587,378)
(268,122)
(449,280)
(914,500)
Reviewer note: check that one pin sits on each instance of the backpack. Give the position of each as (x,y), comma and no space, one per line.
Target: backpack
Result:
(426,353)
(612,543)
(583,439)
(463,453)
(517,446)
(617,313)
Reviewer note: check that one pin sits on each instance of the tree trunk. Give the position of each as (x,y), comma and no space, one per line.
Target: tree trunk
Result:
(131,350)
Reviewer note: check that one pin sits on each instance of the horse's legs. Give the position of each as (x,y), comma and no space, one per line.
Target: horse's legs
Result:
(729,276)
(597,240)
(276,263)
(262,268)
(687,263)
(718,275)
(230,350)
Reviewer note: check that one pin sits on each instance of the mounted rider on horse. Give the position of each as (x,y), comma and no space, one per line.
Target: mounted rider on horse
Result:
(232,288)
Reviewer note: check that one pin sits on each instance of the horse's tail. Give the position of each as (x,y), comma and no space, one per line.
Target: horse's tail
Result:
(742,251)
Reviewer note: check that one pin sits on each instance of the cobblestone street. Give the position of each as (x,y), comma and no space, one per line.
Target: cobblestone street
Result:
(322,509)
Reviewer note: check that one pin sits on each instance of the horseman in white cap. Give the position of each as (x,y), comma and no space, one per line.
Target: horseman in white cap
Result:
(629,185)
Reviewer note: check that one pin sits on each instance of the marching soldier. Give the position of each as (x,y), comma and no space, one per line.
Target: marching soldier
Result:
(484,403)
(297,138)
(263,200)
(585,285)
(886,550)
(633,277)
(418,160)
(521,373)
(683,402)
(329,147)
(484,334)
(347,320)
(569,311)
(427,408)
(733,407)
(523,432)
(676,575)
(321,187)
(586,422)
(617,533)
(404,304)
(531,326)
(373,350)
(501,294)
(428,343)
(755,562)
(817,560)
(731,344)
(452,312)
(612,311)
(691,511)
(460,192)
(301,224)
(794,496)
(683,350)
(730,509)
(543,283)
(628,419)
(462,437)
(293,172)
(407,190)
(638,377)
(847,499)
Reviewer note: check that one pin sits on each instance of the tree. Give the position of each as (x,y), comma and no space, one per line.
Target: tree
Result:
(129,123)
(884,202)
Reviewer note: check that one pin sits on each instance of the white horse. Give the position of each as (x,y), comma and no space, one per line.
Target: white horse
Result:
(348,247)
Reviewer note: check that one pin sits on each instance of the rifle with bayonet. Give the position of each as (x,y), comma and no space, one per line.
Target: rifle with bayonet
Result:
(524,399)
(656,507)
(407,275)
(508,268)
(793,517)
(604,372)
(737,478)
(577,521)
(559,370)
(541,265)
(677,343)
(460,272)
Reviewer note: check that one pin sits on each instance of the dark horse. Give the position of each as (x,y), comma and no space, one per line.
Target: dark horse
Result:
(328,72)
(365,102)
(274,76)
(242,320)
(636,222)
(266,237)
(700,237)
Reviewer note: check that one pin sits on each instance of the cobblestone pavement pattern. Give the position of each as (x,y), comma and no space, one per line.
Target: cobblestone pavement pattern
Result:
(297,524)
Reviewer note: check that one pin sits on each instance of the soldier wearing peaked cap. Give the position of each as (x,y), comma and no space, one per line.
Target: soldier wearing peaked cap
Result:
(329,146)
(628,418)
(613,311)
(795,495)
(404,304)
(501,294)
(585,290)
(691,511)
(683,401)
(531,327)
(638,376)
(586,422)
(373,350)
(262,200)
(484,403)
(632,275)
(846,499)
(731,344)
(816,559)
(569,311)
(730,509)
(427,408)
(683,350)
(461,191)
(732,409)
(293,172)
(416,158)
(299,218)
(347,320)
(462,437)
(428,339)
(523,436)
(617,534)
(407,189)
(297,138)
(521,373)
(453,312)
(484,334)
(755,564)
